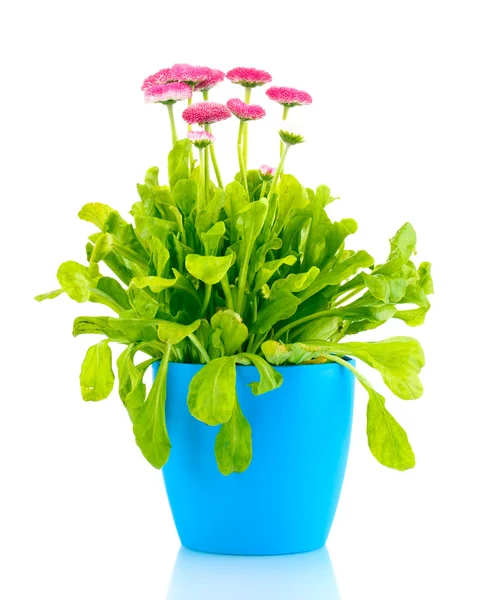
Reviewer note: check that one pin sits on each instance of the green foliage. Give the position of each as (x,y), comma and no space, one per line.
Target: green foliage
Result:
(232,277)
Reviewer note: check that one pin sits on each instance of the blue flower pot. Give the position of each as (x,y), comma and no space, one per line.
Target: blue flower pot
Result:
(286,500)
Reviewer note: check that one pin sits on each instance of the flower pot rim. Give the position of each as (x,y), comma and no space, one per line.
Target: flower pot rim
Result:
(241,366)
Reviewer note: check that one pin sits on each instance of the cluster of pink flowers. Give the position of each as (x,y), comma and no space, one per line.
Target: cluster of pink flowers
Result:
(179,82)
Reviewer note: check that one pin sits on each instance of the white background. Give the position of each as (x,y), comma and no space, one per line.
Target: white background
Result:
(393,130)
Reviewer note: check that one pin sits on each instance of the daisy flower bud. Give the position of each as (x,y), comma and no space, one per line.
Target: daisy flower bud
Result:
(167,93)
(159,78)
(190,74)
(288,96)
(201,139)
(290,138)
(266,173)
(215,76)
(205,113)
(248,77)
(245,112)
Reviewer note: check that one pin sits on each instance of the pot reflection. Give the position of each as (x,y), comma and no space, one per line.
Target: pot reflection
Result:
(198,576)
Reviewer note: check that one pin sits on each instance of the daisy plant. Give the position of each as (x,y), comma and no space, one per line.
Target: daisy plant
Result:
(249,273)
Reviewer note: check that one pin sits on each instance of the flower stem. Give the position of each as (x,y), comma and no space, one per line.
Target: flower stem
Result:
(247,100)
(280,166)
(202,187)
(263,189)
(284,118)
(205,95)
(174,135)
(207,297)
(240,155)
(227,292)
(199,347)
(215,165)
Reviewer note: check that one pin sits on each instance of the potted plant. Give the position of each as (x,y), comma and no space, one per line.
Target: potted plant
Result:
(248,305)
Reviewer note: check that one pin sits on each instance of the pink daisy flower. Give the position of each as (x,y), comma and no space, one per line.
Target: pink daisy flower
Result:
(266,173)
(162,76)
(215,76)
(288,96)
(248,77)
(201,139)
(205,113)
(245,112)
(190,74)
(168,93)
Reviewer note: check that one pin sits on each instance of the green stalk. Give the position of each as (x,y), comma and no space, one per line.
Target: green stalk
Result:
(284,118)
(240,155)
(263,189)
(279,169)
(191,163)
(212,152)
(199,347)
(205,95)
(247,100)
(207,297)
(174,135)
(227,292)
(202,187)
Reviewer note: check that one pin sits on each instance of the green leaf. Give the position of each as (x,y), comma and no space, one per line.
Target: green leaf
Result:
(387,440)
(150,423)
(102,247)
(185,194)
(324,237)
(209,269)
(97,377)
(402,246)
(131,388)
(209,216)
(136,329)
(319,329)
(178,159)
(48,295)
(269,268)
(95,325)
(170,332)
(385,288)
(108,289)
(158,284)
(426,281)
(96,213)
(233,332)
(143,303)
(212,391)
(277,309)
(398,359)
(292,196)
(160,255)
(259,256)
(295,282)
(270,379)
(151,177)
(233,447)
(339,273)
(212,237)
(249,223)
(275,352)
(76,280)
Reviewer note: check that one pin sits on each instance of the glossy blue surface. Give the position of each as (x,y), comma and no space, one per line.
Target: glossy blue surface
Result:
(286,501)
